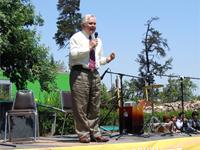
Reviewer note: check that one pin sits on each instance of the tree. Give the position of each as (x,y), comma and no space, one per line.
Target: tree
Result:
(172,91)
(131,91)
(150,62)
(60,66)
(22,58)
(68,21)
(46,70)
(155,47)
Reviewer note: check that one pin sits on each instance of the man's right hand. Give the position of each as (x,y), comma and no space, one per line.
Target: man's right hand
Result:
(93,43)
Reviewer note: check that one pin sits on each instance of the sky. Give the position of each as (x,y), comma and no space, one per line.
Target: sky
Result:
(121,26)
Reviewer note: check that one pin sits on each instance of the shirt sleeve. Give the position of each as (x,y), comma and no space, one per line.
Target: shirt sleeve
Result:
(76,50)
(103,61)
(102,58)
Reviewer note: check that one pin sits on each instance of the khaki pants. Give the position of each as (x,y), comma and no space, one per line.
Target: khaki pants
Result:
(85,88)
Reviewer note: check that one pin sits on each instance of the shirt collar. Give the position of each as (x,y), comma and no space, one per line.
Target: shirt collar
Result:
(85,34)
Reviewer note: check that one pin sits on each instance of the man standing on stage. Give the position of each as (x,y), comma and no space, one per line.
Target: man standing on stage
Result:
(85,57)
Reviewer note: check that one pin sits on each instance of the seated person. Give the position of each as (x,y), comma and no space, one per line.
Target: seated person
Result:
(174,119)
(181,122)
(168,123)
(194,123)
(166,126)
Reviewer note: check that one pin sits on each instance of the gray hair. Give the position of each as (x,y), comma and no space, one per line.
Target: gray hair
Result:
(86,18)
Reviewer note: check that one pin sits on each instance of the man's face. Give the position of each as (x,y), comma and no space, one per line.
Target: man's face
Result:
(195,117)
(90,26)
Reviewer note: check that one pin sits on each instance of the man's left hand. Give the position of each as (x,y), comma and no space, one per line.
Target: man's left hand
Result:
(111,57)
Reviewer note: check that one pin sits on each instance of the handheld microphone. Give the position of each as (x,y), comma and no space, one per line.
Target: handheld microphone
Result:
(96,35)
(104,73)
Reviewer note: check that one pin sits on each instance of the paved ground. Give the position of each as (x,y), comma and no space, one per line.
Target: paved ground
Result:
(72,140)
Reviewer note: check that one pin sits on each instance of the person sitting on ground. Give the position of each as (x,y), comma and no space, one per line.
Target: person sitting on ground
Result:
(168,123)
(164,127)
(181,122)
(174,119)
(194,123)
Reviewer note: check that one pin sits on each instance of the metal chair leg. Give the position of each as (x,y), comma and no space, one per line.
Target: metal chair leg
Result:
(53,128)
(64,124)
(38,128)
(9,128)
(5,131)
(35,127)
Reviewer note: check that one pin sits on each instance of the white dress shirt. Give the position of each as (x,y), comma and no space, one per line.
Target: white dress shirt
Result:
(79,51)
(179,124)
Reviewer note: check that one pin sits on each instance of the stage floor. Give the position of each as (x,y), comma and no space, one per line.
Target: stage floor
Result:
(178,141)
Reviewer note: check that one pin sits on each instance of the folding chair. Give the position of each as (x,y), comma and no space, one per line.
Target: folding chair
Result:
(23,105)
(66,104)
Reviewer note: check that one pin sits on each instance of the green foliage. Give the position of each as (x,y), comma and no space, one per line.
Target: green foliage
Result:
(22,58)
(172,91)
(131,90)
(47,74)
(52,99)
(109,117)
(108,106)
(69,124)
(68,21)
(4,95)
(105,96)
(46,120)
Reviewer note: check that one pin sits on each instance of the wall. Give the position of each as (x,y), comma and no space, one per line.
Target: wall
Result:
(62,80)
